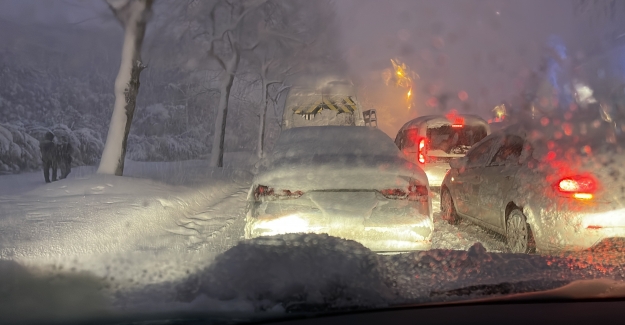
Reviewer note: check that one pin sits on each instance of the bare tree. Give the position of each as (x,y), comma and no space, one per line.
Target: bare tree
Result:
(274,70)
(226,35)
(133,16)
(288,44)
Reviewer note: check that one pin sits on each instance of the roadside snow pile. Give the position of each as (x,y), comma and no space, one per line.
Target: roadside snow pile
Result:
(94,214)
(297,272)
(18,150)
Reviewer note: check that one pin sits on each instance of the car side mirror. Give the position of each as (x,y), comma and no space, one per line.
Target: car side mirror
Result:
(458,163)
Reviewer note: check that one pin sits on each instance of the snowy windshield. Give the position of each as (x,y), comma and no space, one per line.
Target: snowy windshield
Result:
(253,160)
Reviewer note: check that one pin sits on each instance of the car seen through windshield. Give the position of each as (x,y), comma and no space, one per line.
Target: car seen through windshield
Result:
(241,161)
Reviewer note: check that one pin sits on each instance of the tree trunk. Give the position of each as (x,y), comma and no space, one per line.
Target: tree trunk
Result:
(217,151)
(133,17)
(260,149)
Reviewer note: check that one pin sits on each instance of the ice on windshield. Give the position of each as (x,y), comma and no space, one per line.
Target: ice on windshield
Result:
(248,158)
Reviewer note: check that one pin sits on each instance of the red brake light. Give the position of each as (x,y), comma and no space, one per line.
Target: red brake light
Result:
(579,187)
(393,193)
(414,192)
(457,125)
(422,151)
(270,194)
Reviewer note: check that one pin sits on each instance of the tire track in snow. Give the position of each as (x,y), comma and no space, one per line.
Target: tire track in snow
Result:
(219,225)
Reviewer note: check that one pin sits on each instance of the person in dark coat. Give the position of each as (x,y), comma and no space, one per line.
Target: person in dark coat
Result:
(64,156)
(48,156)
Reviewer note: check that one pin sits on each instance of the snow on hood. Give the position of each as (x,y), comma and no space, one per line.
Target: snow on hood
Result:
(337,158)
(298,271)
(304,272)
(326,140)
(294,270)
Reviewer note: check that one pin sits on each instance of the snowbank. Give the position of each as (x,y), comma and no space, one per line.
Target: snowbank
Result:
(89,214)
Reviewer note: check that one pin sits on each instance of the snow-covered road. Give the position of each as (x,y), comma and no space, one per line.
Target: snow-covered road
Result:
(463,235)
(174,206)
(161,238)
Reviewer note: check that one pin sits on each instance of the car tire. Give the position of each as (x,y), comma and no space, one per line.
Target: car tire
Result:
(519,237)
(448,210)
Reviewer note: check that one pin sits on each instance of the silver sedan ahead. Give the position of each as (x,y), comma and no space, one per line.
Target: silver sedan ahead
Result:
(345,181)
(553,187)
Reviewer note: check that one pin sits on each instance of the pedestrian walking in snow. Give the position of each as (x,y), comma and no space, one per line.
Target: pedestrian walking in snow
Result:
(49,156)
(64,157)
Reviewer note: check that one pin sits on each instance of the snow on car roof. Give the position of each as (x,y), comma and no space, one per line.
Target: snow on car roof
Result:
(336,157)
(432,121)
(334,140)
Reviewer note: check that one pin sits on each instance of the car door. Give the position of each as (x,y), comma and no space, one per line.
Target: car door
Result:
(497,178)
(467,182)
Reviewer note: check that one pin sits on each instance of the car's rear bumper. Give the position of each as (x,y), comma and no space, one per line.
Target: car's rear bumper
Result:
(391,226)
(578,231)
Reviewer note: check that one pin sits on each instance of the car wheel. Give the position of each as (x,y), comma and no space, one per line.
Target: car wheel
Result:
(519,236)
(448,211)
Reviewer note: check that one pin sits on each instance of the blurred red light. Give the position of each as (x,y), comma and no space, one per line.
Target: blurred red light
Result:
(579,187)
(422,151)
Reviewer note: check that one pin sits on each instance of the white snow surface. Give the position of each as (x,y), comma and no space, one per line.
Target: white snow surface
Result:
(148,242)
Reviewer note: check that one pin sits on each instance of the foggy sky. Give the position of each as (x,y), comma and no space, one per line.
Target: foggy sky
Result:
(486,45)
(483,45)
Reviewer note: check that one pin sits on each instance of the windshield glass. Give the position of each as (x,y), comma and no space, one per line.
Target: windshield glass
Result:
(254,160)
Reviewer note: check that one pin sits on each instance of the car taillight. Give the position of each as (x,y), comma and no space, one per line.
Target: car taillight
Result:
(414,192)
(268,193)
(422,151)
(579,187)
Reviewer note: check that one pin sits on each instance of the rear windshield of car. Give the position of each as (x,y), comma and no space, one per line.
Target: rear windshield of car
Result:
(447,138)
(334,140)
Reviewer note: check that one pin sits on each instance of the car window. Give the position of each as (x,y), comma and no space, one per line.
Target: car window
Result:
(456,139)
(407,138)
(509,152)
(479,155)
(399,140)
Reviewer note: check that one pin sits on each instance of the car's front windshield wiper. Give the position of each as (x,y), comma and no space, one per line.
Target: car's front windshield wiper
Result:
(504,288)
